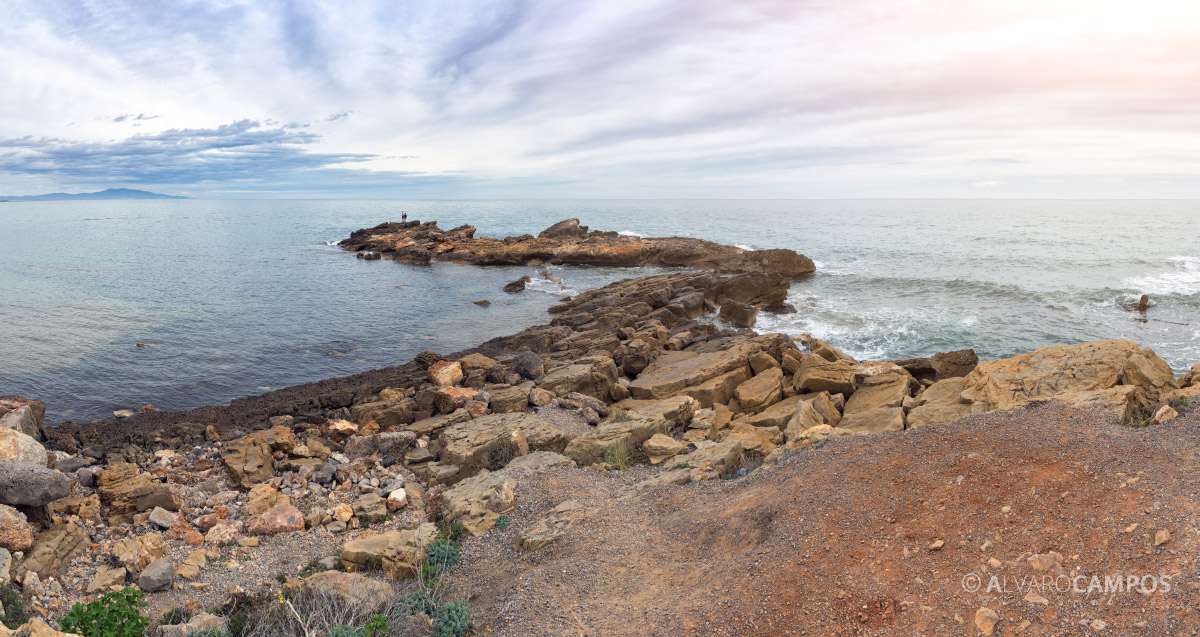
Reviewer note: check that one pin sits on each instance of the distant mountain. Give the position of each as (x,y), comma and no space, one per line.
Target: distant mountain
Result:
(111,193)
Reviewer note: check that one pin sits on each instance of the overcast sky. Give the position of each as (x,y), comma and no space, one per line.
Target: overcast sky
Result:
(612,99)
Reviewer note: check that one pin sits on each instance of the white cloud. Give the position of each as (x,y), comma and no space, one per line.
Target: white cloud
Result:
(614,99)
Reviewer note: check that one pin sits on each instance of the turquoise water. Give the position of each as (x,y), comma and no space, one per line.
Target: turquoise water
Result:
(240,297)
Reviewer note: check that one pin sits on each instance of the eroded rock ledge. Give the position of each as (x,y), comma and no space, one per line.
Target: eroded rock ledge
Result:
(565,243)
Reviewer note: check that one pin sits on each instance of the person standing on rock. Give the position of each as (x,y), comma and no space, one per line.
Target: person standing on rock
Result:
(403,217)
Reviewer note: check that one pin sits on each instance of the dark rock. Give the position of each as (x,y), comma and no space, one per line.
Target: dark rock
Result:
(566,228)
(427,358)
(157,576)
(780,308)
(71,465)
(518,285)
(739,314)
(528,365)
(26,484)
(953,364)
(155,495)
(483,303)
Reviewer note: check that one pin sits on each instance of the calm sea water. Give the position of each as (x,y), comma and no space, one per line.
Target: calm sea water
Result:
(241,297)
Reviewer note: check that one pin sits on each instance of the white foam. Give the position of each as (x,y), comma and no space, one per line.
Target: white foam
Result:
(1183,277)
(742,246)
(630,233)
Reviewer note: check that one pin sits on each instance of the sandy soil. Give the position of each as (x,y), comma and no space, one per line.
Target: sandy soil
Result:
(839,540)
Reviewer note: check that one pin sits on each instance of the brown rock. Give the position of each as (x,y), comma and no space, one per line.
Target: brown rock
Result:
(445,373)
(15,532)
(136,553)
(471,444)
(397,553)
(954,364)
(816,374)
(940,402)
(281,518)
(761,391)
(659,447)
(552,526)
(117,486)
(738,314)
(106,579)
(593,376)
(18,447)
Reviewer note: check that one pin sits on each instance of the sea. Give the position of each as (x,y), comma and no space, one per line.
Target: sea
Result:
(109,305)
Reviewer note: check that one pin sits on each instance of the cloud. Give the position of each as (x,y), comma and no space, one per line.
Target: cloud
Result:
(763,98)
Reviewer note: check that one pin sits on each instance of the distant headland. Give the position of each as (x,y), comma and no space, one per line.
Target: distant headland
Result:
(111,193)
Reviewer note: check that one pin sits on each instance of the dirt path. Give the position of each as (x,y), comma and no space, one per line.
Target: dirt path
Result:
(838,540)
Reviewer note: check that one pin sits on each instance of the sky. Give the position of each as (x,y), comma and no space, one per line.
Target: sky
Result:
(386,99)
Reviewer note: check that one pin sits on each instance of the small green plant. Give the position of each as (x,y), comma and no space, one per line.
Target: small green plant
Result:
(451,531)
(372,565)
(415,603)
(12,608)
(502,522)
(212,633)
(441,555)
(618,455)
(500,455)
(378,625)
(345,631)
(682,465)
(312,568)
(174,616)
(113,615)
(452,619)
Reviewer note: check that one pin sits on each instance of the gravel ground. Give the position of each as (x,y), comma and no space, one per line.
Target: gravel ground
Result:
(879,535)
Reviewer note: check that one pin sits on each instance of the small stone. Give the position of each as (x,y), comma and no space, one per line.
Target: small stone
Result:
(1131,528)
(397,500)
(1006,509)
(1034,598)
(1163,415)
(1162,537)
(158,576)
(937,545)
(1098,625)
(986,619)
(163,518)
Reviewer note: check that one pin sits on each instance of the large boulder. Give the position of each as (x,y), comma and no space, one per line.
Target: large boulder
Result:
(15,532)
(23,414)
(564,229)
(593,376)
(508,400)
(814,412)
(778,415)
(54,549)
(877,392)
(397,553)
(391,443)
(157,576)
(874,421)
(1058,371)
(351,589)
(470,444)
(940,402)
(672,372)
(954,364)
(18,447)
(718,389)
(817,374)
(34,485)
(281,518)
(249,461)
(477,502)
(761,391)
(738,314)
(118,485)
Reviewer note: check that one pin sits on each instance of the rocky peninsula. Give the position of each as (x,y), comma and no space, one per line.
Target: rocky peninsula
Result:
(643,463)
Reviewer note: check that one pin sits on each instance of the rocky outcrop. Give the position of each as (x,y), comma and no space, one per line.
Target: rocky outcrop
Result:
(1073,374)
(54,549)
(397,553)
(15,446)
(469,444)
(567,243)
(22,414)
(552,526)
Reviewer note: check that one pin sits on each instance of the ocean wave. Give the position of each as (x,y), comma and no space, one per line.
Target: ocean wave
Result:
(1183,277)
(630,233)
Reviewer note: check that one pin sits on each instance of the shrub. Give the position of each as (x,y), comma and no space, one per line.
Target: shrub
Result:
(345,631)
(12,608)
(174,616)
(377,626)
(452,619)
(441,555)
(453,532)
(502,522)
(618,455)
(113,615)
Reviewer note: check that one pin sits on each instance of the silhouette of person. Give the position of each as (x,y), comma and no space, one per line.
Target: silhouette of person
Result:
(403,217)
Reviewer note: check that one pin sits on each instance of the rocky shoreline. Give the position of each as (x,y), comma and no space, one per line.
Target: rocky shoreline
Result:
(644,389)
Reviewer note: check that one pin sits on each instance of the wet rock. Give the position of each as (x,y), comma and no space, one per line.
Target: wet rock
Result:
(518,285)
(954,364)
(565,228)
(738,314)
